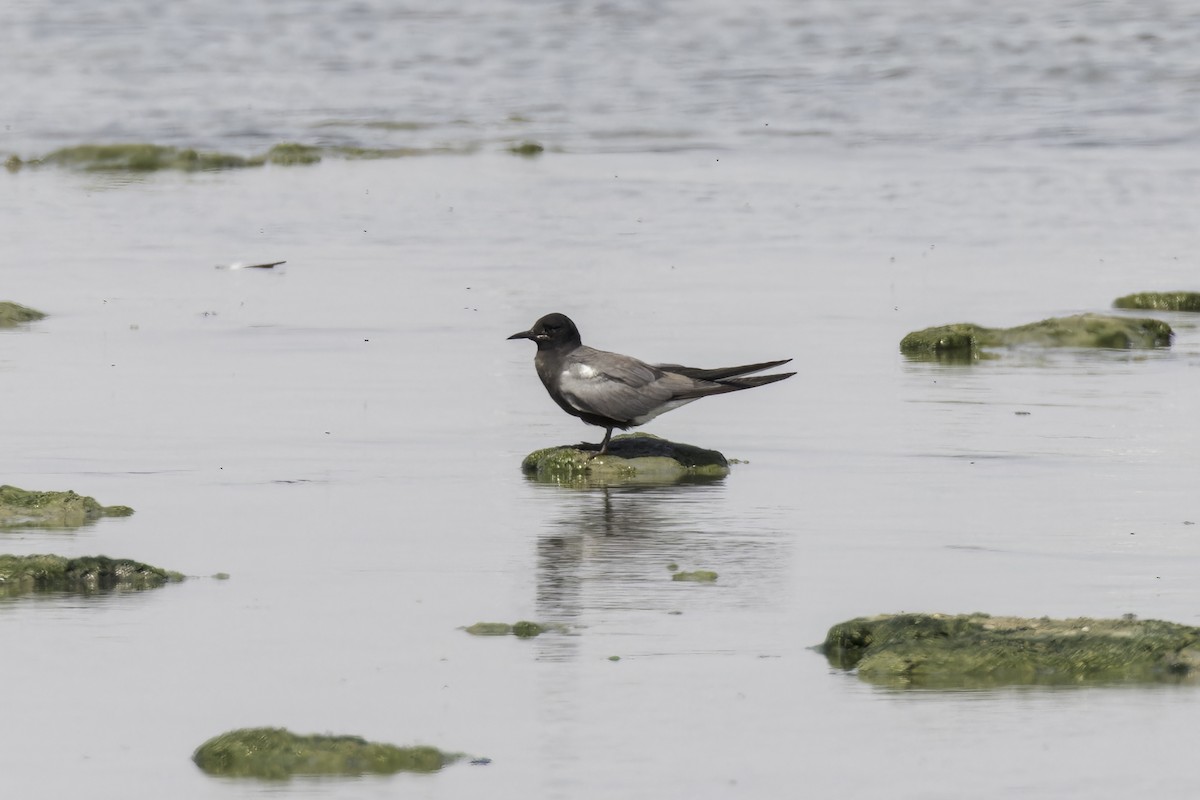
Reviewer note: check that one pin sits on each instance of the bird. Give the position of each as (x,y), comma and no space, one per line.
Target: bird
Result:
(611,390)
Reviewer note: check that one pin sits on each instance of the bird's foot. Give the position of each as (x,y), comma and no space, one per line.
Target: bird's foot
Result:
(596,449)
(601,448)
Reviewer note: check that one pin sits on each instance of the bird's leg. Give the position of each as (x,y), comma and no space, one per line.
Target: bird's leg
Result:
(603,445)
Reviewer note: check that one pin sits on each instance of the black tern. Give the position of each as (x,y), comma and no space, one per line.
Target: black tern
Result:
(615,391)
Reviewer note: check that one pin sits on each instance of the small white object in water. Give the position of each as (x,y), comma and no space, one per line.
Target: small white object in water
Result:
(244,265)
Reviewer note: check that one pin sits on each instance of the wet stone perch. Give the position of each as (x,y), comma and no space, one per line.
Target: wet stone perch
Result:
(20,507)
(14,314)
(965,339)
(277,754)
(978,650)
(633,457)
(1160,301)
(85,575)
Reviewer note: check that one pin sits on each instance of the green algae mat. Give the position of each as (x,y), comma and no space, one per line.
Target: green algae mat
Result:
(144,157)
(697,576)
(964,340)
(631,458)
(13,314)
(24,508)
(1160,301)
(147,157)
(277,754)
(87,574)
(522,629)
(939,651)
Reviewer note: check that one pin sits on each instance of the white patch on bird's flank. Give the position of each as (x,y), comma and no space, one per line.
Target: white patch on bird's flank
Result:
(580,371)
(670,405)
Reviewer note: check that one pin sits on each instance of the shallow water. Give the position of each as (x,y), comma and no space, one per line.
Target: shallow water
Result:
(617,75)
(342,435)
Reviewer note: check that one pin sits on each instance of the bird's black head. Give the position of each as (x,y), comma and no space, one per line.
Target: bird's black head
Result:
(552,331)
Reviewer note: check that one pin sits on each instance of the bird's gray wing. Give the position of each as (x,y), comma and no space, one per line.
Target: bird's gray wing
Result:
(721,372)
(618,387)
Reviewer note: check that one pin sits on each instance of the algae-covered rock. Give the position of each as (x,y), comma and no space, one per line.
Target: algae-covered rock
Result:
(527,149)
(19,507)
(291,153)
(145,157)
(276,754)
(87,574)
(371,153)
(489,629)
(960,340)
(141,157)
(698,576)
(13,314)
(964,340)
(631,458)
(1160,301)
(978,650)
(524,629)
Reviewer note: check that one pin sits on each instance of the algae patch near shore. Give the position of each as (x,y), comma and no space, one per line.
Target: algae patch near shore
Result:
(527,148)
(87,574)
(964,340)
(14,314)
(978,650)
(1160,301)
(523,629)
(698,576)
(23,508)
(145,157)
(140,157)
(277,754)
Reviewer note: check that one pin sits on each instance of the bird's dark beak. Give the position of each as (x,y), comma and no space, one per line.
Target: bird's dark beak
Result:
(522,335)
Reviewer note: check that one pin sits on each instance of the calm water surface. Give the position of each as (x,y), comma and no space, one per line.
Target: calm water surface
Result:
(342,436)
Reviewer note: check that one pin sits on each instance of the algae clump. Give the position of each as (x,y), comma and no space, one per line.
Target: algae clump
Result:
(290,153)
(19,507)
(145,157)
(1160,301)
(140,157)
(699,576)
(526,149)
(277,754)
(350,152)
(13,314)
(489,629)
(978,650)
(964,340)
(87,574)
(523,629)
(631,458)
